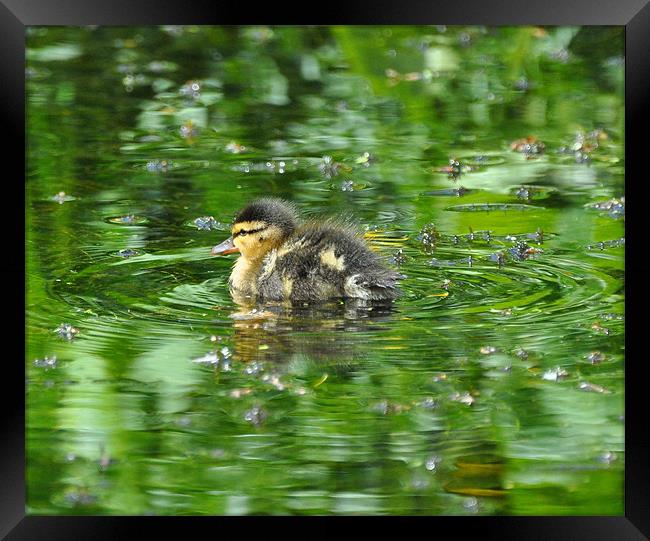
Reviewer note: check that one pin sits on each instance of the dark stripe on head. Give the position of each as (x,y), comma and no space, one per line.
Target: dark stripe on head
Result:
(271,211)
(248,231)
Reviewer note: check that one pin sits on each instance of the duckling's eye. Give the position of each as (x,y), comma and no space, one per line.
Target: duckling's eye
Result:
(243,232)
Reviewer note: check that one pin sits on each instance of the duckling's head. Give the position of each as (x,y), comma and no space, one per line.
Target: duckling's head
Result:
(259,227)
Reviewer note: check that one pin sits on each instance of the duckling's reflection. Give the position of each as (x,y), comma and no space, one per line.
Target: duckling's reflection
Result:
(327,331)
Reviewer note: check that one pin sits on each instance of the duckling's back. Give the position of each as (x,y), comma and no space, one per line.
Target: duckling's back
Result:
(321,261)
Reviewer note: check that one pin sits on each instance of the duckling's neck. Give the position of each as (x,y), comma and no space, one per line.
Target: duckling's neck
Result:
(243,277)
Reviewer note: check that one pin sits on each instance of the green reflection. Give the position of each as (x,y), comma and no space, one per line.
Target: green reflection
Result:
(494,386)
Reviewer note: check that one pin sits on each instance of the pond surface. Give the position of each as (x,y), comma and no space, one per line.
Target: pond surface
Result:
(486,164)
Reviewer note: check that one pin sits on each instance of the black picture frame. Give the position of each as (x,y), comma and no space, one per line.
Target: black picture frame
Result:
(15,15)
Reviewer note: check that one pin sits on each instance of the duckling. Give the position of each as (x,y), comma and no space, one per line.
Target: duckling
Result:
(283,258)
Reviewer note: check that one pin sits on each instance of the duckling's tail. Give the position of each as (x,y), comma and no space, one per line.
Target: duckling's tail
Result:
(374,287)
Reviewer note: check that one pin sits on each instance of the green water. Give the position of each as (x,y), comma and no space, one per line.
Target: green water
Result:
(495,385)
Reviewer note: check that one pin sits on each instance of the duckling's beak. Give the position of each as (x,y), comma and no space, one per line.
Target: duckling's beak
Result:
(226,247)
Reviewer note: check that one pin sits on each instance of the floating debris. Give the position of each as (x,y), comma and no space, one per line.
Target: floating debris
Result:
(206,223)
(211,358)
(256,415)
(607,244)
(521,84)
(129,219)
(599,328)
(454,170)
(499,258)
(216,358)
(596,357)
(161,66)
(614,207)
(347,186)
(491,207)
(446,284)
(184,421)
(274,380)
(47,362)
(592,387)
(530,147)
(428,236)
(464,398)
(469,261)
(79,498)
(156,166)
(217,453)
(395,77)
(521,251)
(537,236)
(329,168)
(521,353)
(471,504)
(191,90)
(67,331)
(188,130)
(131,80)
(555,374)
(254,368)
(527,193)
(235,148)
(104,460)
(611,316)
(127,252)
(62,197)
(366,159)
(429,403)
(419,483)
(385,407)
(432,462)
(265,167)
(238,393)
(488,350)
(584,144)
(607,457)
(439,378)
(398,257)
(456,192)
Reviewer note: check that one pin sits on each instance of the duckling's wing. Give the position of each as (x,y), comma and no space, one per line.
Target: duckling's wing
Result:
(374,286)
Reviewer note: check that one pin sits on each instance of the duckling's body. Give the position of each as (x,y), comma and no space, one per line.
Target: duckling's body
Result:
(282,259)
